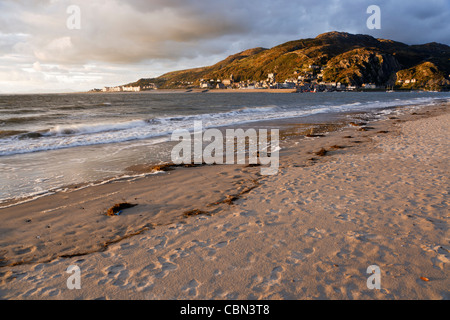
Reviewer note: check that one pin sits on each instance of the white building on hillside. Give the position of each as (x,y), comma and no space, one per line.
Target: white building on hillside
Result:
(132,89)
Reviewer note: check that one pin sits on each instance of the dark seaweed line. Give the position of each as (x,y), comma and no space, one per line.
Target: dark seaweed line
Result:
(229,200)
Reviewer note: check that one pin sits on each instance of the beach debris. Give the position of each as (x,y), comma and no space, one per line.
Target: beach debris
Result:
(337,147)
(312,134)
(194,212)
(172,166)
(230,199)
(162,167)
(424,279)
(253,165)
(365,128)
(116,209)
(322,152)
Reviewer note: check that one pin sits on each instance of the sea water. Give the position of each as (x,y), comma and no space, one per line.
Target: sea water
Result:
(49,141)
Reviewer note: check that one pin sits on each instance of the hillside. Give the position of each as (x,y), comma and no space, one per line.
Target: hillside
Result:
(335,57)
(425,75)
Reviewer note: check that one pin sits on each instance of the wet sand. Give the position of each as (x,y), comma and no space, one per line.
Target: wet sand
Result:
(367,193)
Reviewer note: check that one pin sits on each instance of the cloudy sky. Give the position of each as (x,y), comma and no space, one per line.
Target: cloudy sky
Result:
(116,42)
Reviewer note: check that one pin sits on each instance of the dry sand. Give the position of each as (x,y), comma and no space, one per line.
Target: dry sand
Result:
(379,196)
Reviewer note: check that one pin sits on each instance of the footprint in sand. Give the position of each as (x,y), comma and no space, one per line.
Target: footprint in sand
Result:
(166,267)
(118,274)
(191,288)
(146,271)
(251,257)
(38,267)
(20,251)
(211,254)
(112,271)
(275,275)
(221,244)
(267,282)
(163,242)
(295,258)
(315,233)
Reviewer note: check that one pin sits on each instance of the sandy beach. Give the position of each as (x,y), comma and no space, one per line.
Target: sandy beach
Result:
(377,194)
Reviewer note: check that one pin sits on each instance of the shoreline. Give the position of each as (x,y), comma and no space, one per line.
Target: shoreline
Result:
(57,229)
(324,120)
(199,90)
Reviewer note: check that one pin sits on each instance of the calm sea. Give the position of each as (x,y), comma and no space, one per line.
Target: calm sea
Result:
(49,141)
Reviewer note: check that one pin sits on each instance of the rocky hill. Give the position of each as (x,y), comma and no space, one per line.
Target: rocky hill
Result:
(332,57)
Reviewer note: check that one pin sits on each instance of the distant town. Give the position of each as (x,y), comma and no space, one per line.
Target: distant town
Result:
(306,81)
(333,61)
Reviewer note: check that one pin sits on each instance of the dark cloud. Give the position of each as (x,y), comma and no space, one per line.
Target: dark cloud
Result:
(132,31)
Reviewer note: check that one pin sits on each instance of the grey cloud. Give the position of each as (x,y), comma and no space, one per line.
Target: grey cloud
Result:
(138,30)
(166,35)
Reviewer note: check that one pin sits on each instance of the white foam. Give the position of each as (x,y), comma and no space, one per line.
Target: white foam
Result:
(85,134)
(95,127)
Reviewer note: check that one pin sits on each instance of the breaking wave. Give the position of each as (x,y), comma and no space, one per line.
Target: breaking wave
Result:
(92,133)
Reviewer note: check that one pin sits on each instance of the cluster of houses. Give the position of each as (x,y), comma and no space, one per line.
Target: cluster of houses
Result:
(150,86)
(406,81)
(310,81)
